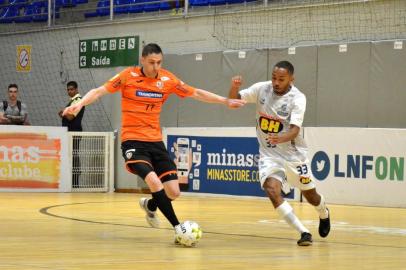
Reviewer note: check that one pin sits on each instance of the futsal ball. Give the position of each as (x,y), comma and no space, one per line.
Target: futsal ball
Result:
(189,234)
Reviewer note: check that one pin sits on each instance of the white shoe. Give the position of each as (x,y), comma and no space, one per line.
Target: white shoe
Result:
(151,216)
(177,241)
(178,235)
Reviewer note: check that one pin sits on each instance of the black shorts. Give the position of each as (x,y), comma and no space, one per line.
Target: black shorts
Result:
(152,153)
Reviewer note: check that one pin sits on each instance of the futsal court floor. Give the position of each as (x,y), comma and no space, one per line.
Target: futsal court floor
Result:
(108,231)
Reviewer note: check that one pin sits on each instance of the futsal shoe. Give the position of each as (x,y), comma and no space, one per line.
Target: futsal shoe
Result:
(151,216)
(324,225)
(177,241)
(178,235)
(305,239)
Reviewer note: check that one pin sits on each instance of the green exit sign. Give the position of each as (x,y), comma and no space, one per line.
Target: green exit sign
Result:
(109,52)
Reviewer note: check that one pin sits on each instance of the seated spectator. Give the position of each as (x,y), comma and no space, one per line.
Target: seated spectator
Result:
(13,111)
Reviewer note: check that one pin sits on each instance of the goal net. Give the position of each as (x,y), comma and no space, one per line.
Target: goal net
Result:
(284,23)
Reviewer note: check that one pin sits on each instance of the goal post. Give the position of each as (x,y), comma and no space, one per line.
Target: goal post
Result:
(91,156)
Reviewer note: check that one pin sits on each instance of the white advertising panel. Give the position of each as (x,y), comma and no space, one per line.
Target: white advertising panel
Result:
(359,166)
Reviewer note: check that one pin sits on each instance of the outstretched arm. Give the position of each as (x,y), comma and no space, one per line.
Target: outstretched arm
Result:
(89,98)
(236,82)
(209,97)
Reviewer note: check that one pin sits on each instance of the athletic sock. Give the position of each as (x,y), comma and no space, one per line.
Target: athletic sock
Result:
(322,208)
(285,211)
(165,205)
(151,205)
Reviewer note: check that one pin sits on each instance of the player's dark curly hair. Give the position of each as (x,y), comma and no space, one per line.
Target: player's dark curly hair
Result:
(286,65)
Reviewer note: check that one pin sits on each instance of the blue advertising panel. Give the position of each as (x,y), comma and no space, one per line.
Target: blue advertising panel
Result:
(220,165)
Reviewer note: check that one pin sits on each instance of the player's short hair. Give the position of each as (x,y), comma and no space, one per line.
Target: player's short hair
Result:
(12,85)
(286,65)
(151,48)
(73,84)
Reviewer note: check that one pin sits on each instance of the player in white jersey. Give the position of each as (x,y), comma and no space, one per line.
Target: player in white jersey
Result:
(280,109)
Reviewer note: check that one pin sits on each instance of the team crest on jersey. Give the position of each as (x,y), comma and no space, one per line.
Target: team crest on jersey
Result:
(305,180)
(262,101)
(159,84)
(283,110)
(268,125)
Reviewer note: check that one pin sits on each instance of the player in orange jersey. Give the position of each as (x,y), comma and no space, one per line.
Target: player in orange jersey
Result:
(143,92)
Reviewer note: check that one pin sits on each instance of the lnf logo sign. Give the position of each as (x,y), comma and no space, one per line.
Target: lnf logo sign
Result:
(356,166)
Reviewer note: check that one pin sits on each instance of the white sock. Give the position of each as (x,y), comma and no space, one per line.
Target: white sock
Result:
(322,208)
(285,211)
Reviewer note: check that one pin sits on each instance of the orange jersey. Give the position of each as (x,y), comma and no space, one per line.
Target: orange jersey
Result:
(142,99)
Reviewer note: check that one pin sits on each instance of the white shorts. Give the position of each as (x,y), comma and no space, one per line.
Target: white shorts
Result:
(297,174)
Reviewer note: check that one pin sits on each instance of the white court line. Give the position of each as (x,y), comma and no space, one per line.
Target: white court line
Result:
(345,226)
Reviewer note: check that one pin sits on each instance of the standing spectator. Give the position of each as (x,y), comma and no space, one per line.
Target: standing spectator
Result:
(74,123)
(13,111)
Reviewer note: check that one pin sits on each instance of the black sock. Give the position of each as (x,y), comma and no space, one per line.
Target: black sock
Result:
(165,205)
(151,205)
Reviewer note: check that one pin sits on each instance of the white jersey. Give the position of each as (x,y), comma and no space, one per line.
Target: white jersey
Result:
(275,114)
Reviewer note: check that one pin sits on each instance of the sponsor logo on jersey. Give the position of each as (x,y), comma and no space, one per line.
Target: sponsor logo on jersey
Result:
(146,94)
(262,101)
(305,180)
(165,78)
(270,125)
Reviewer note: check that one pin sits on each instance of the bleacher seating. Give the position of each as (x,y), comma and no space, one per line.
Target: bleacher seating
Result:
(22,11)
(8,13)
(136,6)
(25,11)
(40,11)
(121,6)
(26,15)
(217,2)
(199,3)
